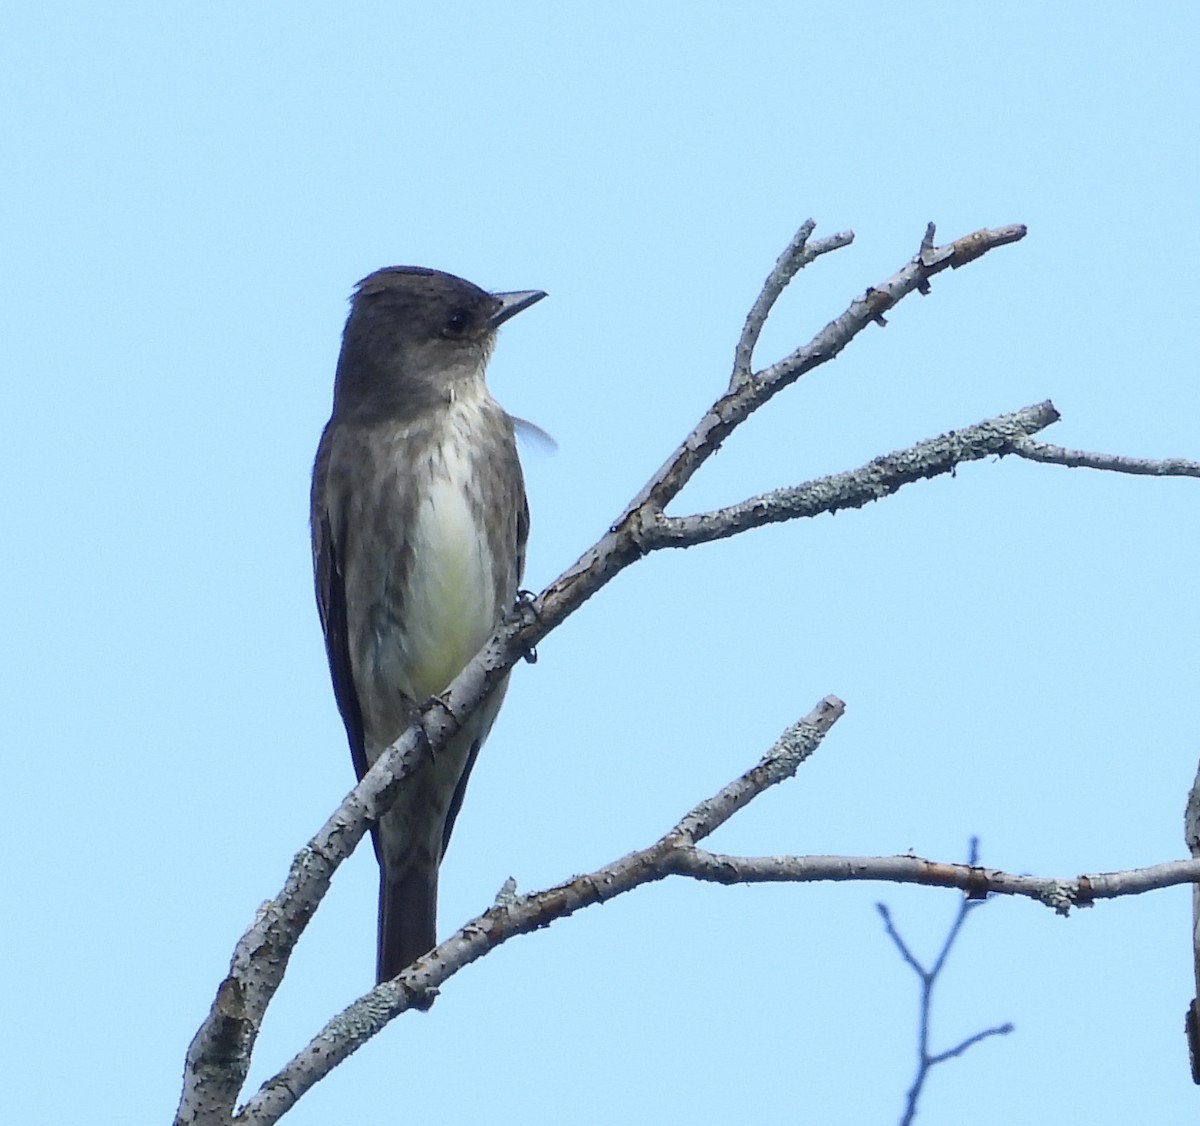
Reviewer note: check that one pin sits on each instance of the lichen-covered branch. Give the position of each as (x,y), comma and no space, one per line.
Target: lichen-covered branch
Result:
(219,1056)
(877,479)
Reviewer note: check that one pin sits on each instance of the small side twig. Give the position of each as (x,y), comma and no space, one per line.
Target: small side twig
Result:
(927,1060)
(796,255)
(1046,452)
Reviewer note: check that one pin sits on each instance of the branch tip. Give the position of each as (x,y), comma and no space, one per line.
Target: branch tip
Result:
(798,253)
(262,953)
(1049,454)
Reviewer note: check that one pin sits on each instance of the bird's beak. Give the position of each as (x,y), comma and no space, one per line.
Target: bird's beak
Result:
(512,303)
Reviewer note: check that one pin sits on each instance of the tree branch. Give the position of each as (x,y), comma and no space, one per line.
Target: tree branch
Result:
(970,1041)
(737,404)
(218,1058)
(796,255)
(1112,463)
(675,854)
(519,914)
(926,1060)
(854,488)
(1060,894)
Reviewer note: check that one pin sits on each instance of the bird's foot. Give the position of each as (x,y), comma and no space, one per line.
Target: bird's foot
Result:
(525,611)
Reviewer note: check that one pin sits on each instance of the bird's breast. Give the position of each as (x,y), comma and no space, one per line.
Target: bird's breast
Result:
(449,600)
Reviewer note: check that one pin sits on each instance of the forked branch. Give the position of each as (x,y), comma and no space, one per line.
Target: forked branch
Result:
(219,1056)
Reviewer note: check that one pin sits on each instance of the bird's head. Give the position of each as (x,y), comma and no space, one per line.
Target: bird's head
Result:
(415,335)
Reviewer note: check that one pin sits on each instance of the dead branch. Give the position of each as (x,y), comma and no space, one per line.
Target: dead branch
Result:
(218,1058)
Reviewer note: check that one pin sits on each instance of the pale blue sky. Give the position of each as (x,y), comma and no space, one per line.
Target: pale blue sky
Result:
(189,197)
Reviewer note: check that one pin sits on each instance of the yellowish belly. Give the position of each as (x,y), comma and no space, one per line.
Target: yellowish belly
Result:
(450,608)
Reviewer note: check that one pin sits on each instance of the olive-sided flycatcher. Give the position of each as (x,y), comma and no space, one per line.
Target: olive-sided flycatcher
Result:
(419,523)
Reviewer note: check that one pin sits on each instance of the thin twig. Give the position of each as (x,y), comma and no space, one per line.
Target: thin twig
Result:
(899,942)
(928,978)
(1111,463)
(997,1030)
(735,406)
(796,255)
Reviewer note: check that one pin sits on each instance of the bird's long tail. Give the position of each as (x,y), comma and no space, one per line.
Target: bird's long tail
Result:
(407,917)
(411,839)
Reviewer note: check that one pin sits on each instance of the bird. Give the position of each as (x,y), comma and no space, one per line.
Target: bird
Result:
(419,525)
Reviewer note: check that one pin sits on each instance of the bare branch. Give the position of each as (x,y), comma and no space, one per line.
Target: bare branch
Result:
(515,914)
(909,957)
(1059,894)
(218,1058)
(877,300)
(219,1055)
(877,479)
(949,1054)
(969,247)
(927,1060)
(781,762)
(673,854)
(972,900)
(735,406)
(1113,463)
(796,255)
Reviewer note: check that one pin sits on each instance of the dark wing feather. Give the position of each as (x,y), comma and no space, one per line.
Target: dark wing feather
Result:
(460,792)
(522,536)
(331,605)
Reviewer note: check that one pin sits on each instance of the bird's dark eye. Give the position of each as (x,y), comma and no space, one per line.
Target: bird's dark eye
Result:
(456,323)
